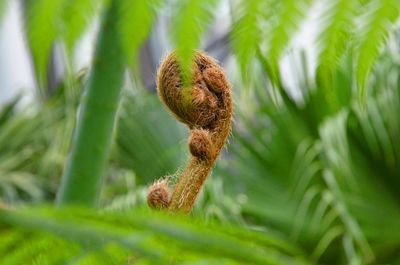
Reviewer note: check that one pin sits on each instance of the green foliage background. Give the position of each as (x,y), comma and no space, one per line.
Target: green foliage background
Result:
(309,179)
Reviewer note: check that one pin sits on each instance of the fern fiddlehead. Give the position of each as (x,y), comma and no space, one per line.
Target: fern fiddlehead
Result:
(205,106)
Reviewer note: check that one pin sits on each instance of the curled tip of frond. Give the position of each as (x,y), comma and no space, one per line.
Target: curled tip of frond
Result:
(158,195)
(197,105)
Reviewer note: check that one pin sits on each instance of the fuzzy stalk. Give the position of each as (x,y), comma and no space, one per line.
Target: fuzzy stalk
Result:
(83,175)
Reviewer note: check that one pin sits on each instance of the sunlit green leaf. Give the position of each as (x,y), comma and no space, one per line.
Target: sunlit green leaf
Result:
(77,15)
(136,21)
(380,18)
(188,25)
(335,36)
(43,22)
(290,15)
(246,34)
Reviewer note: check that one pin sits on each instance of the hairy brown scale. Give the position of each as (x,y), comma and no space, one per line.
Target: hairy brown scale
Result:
(201,146)
(205,106)
(158,196)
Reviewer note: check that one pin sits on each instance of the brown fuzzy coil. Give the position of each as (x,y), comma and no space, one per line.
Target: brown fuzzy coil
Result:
(205,106)
(158,197)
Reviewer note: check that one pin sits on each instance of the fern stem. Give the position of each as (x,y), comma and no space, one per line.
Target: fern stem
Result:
(83,174)
(205,106)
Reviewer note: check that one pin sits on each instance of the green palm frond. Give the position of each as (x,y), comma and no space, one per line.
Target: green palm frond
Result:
(35,140)
(75,235)
(17,181)
(281,170)
(362,172)
(333,172)
(379,21)
(336,151)
(260,155)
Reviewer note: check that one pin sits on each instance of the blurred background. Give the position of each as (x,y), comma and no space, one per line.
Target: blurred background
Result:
(314,155)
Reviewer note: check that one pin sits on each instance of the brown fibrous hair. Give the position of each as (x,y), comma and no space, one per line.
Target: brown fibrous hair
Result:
(205,106)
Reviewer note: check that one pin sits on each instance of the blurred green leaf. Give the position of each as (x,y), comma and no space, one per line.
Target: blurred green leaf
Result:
(334,39)
(289,18)
(380,19)
(43,22)
(246,33)
(139,235)
(76,16)
(149,140)
(188,25)
(136,21)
